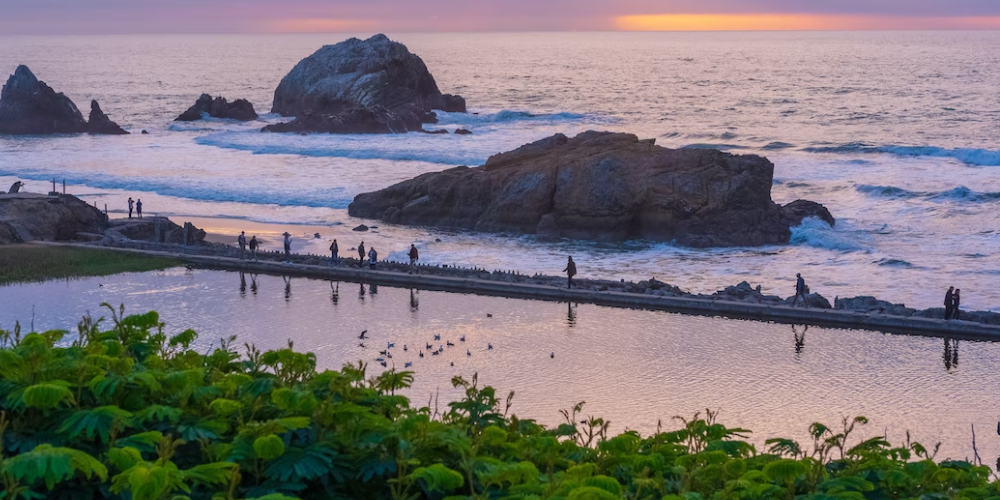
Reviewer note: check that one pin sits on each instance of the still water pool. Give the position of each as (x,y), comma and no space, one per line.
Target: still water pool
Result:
(635,368)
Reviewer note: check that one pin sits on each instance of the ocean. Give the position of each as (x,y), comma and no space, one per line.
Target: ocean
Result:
(896,133)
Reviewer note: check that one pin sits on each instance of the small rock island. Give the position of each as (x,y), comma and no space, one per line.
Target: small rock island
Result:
(373,86)
(30,107)
(601,186)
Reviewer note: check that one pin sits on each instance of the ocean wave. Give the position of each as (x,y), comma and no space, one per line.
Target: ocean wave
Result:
(894,263)
(960,193)
(508,116)
(969,156)
(816,233)
(205,190)
(720,147)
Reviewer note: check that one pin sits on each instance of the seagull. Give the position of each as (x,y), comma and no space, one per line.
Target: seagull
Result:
(452,363)
(429,347)
(467,353)
(390,345)
(488,315)
(361,345)
(408,364)
(489,347)
(404,348)
(450,344)
(553,355)
(388,355)
(383,364)
(382,353)
(437,337)
(421,354)
(362,336)
(380,359)
(435,353)
(463,338)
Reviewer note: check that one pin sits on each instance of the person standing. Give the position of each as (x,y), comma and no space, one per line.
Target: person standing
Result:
(414,256)
(138,208)
(800,291)
(242,241)
(288,247)
(334,250)
(956,304)
(131,205)
(570,272)
(253,247)
(372,258)
(949,302)
(362,254)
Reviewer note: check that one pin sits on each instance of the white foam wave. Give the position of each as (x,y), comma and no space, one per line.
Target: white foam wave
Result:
(969,156)
(816,233)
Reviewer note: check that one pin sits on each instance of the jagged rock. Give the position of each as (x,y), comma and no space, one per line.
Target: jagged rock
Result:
(99,123)
(30,107)
(812,299)
(145,230)
(360,228)
(462,131)
(598,185)
(28,217)
(438,131)
(145,132)
(219,107)
(376,72)
(356,120)
(797,210)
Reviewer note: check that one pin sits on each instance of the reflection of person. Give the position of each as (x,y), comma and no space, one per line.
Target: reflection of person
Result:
(950,354)
(570,315)
(288,287)
(335,293)
(253,284)
(243,284)
(414,303)
(800,339)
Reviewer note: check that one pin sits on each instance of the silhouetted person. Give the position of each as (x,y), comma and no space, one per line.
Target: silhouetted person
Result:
(16,187)
(800,291)
(253,247)
(243,284)
(372,258)
(414,256)
(957,304)
(253,284)
(242,241)
(570,272)
(131,205)
(288,246)
(950,354)
(362,292)
(288,287)
(334,252)
(362,255)
(138,208)
(949,302)
(571,315)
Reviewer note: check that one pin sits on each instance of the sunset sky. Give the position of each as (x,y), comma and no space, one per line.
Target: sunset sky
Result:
(293,16)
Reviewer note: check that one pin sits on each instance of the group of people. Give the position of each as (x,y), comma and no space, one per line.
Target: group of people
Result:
(136,205)
(253,244)
(952,302)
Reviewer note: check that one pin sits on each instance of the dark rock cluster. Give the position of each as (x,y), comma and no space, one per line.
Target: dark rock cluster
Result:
(30,107)
(219,107)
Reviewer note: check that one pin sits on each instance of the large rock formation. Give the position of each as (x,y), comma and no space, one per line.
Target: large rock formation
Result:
(356,120)
(99,123)
(29,106)
(375,73)
(600,185)
(240,109)
(27,217)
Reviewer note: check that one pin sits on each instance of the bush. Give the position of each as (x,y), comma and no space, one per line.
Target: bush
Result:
(126,412)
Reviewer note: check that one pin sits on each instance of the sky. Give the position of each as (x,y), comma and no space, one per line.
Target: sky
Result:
(53,17)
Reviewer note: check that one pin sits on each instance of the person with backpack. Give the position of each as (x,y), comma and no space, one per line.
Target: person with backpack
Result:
(288,247)
(801,290)
(242,241)
(334,250)
(372,258)
(253,247)
(570,272)
(414,257)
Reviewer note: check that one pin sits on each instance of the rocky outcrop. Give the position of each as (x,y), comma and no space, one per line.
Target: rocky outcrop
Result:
(376,73)
(219,107)
(28,217)
(156,230)
(30,107)
(356,120)
(100,124)
(600,185)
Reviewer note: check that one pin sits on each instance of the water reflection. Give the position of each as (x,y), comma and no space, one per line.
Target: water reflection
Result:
(362,293)
(253,284)
(334,292)
(570,315)
(243,285)
(288,288)
(414,303)
(951,357)
(800,338)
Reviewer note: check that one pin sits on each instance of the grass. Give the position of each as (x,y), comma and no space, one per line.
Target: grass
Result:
(30,263)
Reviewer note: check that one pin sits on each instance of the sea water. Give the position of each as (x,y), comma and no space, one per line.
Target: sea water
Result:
(896,133)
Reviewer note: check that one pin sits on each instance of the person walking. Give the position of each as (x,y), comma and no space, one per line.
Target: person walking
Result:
(956,304)
(288,247)
(334,251)
(414,257)
(138,208)
(131,205)
(570,272)
(949,302)
(800,291)
(372,258)
(362,255)
(242,241)
(253,247)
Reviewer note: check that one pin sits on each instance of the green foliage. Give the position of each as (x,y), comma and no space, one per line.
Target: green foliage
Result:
(124,412)
(30,263)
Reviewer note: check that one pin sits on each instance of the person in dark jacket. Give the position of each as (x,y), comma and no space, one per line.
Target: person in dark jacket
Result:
(949,302)
(334,252)
(253,251)
(131,206)
(800,290)
(362,254)
(414,257)
(372,259)
(241,240)
(956,304)
(138,208)
(570,272)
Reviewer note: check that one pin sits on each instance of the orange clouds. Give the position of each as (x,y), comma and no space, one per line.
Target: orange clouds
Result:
(796,22)
(315,25)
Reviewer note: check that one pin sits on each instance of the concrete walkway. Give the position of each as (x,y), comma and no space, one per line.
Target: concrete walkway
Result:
(701,307)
